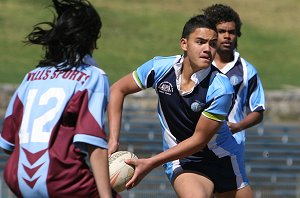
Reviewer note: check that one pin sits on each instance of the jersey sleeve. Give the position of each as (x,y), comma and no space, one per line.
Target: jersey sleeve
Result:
(144,75)
(11,123)
(220,95)
(12,120)
(149,73)
(90,127)
(255,97)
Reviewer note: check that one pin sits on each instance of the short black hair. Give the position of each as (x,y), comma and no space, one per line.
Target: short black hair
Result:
(219,13)
(198,21)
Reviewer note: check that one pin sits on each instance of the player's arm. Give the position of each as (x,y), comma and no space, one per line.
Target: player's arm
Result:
(204,131)
(208,124)
(99,164)
(255,99)
(118,91)
(250,120)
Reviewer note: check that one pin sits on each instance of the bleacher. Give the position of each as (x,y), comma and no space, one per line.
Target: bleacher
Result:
(273,160)
(272,154)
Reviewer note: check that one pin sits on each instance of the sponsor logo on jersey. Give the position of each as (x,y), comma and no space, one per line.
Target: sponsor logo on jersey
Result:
(166,88)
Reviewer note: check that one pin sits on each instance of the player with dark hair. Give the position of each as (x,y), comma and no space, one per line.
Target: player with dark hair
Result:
(249,102)
(56,116)
(220,13)
(242,74)
(200,155)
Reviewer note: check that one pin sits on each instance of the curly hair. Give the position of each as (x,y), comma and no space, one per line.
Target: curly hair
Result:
(70,36)
(219,13)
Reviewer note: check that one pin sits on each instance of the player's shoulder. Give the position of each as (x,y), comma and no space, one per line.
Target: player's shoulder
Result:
(250,67)
(251,70)
(222,79)
(160,64)
(92,65)
(95,70)
(167,57)
(95,73)
(166,60)
(94,78)
(221,82)
(218,76)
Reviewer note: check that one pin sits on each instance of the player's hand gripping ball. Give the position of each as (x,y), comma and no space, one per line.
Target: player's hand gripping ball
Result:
(120,172)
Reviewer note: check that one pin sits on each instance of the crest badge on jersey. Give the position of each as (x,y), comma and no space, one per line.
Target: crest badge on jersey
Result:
(197,106)
(165,87)
(235,80)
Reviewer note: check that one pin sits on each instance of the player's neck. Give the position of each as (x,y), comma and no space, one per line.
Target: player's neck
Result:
(186,82)
(222,58)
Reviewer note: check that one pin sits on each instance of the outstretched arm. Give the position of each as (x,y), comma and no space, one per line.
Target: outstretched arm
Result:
(118,91)
(204,131)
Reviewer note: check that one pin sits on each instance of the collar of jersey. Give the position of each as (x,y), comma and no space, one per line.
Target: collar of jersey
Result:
(87,59)
(231,64)
(196,77)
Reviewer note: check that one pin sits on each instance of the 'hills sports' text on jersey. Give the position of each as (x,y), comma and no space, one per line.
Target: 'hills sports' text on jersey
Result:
(52,116)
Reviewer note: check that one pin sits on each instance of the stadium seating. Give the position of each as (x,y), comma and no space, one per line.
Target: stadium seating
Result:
(272,154)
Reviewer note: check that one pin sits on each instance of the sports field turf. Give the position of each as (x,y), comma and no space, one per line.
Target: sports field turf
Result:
(136,30)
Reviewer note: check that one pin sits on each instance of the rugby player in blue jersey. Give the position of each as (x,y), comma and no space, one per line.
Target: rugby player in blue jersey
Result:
(249,101)
(57,114)
(200,155)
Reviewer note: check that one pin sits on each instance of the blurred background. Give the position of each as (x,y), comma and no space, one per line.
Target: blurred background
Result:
(137,30)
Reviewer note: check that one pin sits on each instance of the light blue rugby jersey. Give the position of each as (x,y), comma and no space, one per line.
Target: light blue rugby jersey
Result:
(249,93)
(179,113)
(57,88)
(42,146)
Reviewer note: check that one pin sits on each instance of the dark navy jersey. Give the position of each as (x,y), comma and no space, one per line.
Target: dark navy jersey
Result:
(179,112)
(249,93)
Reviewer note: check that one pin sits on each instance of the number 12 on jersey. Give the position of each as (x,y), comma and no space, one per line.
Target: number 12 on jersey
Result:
(34,100)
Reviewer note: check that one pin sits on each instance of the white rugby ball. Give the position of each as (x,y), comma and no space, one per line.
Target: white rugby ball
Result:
(120,172)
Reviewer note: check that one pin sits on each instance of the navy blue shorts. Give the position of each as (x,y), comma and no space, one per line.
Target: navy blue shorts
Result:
(227,173)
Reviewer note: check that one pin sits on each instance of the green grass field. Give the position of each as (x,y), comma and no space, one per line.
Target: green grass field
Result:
(136,30)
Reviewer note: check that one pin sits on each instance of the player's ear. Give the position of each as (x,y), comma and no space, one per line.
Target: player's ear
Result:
(183,44)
